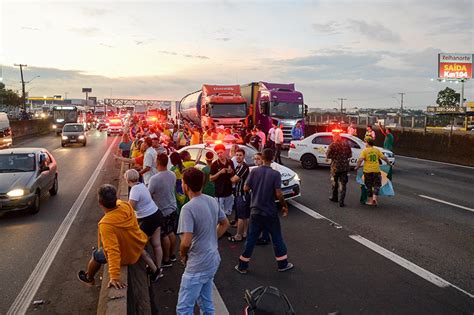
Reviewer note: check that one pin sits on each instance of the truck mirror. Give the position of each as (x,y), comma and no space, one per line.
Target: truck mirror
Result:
(305,110)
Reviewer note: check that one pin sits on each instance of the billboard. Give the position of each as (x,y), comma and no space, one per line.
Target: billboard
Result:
(454,66)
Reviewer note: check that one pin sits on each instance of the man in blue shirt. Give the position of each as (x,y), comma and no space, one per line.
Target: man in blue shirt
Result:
(264,184)
(297,132)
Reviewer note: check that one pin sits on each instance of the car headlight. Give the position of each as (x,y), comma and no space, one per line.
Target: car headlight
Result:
(54,126)
(16,193)
(64,137)
(297,178)
(81,137)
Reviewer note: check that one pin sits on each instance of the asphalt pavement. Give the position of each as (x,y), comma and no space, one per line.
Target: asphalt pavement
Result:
(25,237)
(334,272)
(427,224)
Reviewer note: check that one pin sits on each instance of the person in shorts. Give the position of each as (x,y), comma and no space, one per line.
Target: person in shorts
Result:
(222,171)
(372,176)
(162,190)
(149,218)
(241,197)
(120,240)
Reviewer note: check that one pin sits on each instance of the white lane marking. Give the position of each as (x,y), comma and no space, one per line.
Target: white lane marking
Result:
(306,210)
(425,274)
(437,162)
(219,304)
(421,272)
(446,203)
(31,286)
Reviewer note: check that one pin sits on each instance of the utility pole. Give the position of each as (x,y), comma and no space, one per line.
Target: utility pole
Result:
(401,110)
(23,93)
(342,106)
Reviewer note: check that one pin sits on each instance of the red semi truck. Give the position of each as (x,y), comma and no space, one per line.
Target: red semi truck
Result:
(215,105)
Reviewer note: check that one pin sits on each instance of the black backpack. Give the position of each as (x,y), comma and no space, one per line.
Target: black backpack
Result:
(267,301)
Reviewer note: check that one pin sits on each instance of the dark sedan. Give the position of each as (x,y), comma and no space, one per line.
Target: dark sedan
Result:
(26,174)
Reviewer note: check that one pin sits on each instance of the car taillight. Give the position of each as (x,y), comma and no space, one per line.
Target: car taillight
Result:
(292,146)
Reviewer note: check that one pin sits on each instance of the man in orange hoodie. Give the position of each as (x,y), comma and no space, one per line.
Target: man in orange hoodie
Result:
(120,240)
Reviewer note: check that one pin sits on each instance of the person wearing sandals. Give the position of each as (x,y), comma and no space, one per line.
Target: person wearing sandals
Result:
(265,184)
(148,215)
(241,197)
(120,240)
(372,177)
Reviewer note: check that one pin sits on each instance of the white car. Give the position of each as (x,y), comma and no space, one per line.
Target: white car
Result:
(311,151)
(290,181)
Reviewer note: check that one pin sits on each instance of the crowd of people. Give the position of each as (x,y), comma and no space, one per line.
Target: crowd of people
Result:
(166,203)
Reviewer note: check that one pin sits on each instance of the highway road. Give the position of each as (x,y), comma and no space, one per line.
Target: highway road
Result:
(361,259)
(25,237)
(411,254)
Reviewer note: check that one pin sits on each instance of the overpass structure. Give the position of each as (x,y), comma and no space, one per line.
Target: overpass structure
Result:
(119,102)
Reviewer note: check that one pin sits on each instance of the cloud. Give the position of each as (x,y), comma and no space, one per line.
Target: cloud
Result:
(106,45)
(167,52)
(91,11)
(223,39)
(86,31)
(28,28)
(374,31)
(138,42)
(329,28)
(196,56)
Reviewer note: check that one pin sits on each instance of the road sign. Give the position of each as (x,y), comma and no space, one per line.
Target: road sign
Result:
(86,90)
(455,66)
(446,109)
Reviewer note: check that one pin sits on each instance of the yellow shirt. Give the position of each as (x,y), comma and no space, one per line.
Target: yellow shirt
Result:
(371,158)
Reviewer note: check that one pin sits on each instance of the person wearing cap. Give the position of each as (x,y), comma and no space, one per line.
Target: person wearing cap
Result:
(339,152)
(209,187)
(222,171)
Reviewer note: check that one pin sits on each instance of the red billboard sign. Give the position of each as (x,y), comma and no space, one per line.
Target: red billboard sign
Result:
(455,66)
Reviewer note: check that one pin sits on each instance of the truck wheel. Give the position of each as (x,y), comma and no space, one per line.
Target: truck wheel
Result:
(308,161)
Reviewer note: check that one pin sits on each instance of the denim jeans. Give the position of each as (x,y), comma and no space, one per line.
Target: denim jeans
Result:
(196,287)
(259,223)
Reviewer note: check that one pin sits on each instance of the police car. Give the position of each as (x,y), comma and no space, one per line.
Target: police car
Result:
(311,151)
(290,181)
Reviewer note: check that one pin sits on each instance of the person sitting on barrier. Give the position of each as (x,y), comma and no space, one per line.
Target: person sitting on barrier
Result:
(120,240)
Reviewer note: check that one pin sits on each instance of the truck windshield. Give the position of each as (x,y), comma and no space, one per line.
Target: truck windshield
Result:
(286,110)
(228,110)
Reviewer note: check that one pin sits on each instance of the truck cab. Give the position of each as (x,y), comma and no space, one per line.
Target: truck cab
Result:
(275,103)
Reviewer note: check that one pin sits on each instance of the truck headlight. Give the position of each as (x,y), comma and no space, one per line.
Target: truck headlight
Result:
(64,137)
(16,193)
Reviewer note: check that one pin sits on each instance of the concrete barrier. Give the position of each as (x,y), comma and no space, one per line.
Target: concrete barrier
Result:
(136,298)
(27,128)
(429,146)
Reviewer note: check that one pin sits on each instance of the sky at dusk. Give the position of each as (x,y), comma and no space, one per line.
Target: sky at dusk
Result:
(364,51)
